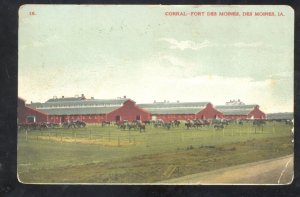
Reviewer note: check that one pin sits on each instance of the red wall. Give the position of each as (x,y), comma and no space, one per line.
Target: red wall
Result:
(257,114)
(24,111)
(209,112)
(171,117)
(93,118)
(235,117)
(129,111)
(21,111)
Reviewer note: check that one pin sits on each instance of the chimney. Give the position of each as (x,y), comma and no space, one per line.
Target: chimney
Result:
(92,97)
(63,97)
(124,96)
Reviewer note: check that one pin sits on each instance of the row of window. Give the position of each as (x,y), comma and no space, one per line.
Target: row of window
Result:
(175,116)
(78,118)
(78,106)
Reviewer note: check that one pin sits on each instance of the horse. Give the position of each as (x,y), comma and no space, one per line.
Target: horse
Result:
(167,125)
(218,126)
(158,123)
(104,123)
(259,124)
(132,125)
(197,123)
(80,124)
(188,124)
(141,126)
(122,125)
(176,123)
(147,122)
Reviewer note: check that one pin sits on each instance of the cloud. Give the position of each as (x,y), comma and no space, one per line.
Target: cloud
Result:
(187,44)
(242,44)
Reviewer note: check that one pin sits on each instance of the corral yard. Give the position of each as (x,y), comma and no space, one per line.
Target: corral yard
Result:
(107,154)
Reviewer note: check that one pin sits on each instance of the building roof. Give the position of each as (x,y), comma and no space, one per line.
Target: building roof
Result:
(78,111)
(283,116)
(70,102)
(235,109)
(170,105)
(174,108)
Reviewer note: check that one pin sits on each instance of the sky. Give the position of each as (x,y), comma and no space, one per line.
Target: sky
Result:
(110,51)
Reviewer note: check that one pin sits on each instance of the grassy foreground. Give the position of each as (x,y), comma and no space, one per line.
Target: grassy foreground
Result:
(108,155)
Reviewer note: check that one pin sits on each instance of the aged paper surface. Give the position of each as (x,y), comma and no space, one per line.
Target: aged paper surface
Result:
(155,94)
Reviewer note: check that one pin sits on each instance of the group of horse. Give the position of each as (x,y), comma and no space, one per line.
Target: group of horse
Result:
(74,124)
(134,125)
(37,126)
(50,125)
(189,124)
(196,123)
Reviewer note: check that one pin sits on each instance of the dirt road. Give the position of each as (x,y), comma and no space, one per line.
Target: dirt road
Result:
(274,171)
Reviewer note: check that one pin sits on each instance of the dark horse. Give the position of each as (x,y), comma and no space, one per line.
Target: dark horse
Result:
(218,126)
(188,124)
(141,127)
(176,123)
(259,124)
(104,123)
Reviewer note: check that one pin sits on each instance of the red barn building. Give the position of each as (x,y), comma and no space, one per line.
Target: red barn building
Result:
(26,114)
(209,112)
(129,111)
(181,110)
(238,110)
(90,110)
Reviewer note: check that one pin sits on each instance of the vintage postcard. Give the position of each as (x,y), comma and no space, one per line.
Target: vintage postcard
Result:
(155,94)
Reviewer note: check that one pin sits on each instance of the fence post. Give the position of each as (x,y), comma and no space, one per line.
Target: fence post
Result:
(129,136)
(26,135)
(49,136)
(75,136)
(109,135)
(181,137)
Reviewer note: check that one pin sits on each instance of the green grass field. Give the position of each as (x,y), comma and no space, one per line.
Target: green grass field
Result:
(109,155)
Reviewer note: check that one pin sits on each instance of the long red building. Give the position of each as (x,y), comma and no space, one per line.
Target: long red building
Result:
(239,110)
(181,110)
(27,114)
(59,110)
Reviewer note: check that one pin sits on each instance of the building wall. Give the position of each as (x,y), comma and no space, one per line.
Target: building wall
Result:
(235,117)
(129,111)
(172,117)
(209,112)
(256,113)
(93,118)
(21,111)
(25,111)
